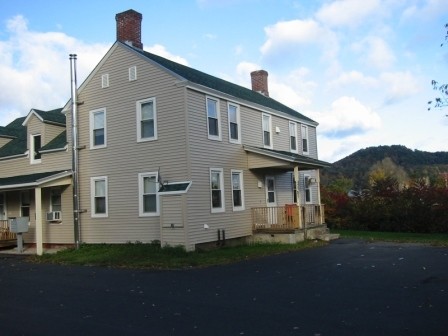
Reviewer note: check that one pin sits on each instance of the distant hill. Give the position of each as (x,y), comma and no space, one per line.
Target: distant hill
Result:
(357,165)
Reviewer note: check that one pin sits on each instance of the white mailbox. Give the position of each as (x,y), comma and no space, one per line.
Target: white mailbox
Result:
(18,224)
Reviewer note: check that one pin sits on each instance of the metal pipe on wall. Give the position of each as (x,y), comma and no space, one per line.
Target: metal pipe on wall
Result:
(75,149)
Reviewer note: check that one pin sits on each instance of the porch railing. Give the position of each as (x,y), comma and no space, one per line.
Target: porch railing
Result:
(288,217)
(5,233)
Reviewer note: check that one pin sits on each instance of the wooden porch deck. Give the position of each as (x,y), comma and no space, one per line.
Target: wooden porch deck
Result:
(287,218)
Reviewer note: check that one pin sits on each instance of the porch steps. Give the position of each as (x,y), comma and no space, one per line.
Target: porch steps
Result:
(329,236)
(322,233)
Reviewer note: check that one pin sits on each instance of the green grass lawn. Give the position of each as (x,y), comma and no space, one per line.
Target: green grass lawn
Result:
(435,239)
(153,256)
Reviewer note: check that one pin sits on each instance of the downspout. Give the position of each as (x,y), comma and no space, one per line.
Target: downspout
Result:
(75,159)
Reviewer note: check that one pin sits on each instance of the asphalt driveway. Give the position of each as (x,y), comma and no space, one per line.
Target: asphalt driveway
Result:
(349,287)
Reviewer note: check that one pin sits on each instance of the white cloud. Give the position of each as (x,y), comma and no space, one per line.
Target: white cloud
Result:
(160,50)
(353,77)
(243,70)
(427,10)
(375,52)
(346,12)
(35,68)
(210,36)
(346,117)
(290,34)
(400,85)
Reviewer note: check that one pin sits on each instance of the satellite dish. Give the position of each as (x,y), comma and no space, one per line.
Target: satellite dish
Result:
(160,179)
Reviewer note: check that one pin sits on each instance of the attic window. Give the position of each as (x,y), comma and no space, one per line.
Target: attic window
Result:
(133,73)
(105,81)
(35,145)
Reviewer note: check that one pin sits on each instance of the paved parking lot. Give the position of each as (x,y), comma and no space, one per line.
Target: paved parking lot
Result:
(349,287)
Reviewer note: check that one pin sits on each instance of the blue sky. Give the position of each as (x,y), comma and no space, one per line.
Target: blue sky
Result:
(361,68)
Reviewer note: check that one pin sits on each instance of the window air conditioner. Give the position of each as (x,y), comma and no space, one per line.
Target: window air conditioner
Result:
(53,216)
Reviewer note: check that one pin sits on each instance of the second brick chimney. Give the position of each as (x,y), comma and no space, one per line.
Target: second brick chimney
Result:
(129,28)
(260,82)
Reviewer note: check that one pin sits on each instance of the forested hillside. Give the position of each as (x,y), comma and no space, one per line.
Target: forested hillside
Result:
(396,161)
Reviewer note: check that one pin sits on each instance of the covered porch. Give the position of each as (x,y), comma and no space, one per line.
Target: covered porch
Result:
(30,197)
(287,218)
(306,210)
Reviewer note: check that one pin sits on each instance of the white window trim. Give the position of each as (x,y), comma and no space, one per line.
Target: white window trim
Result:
(238,122)
(218,116)
(305,178)
(306,138)
(139,104)
(295,136)
(31,152)
(141,213)
(92,197)
(133,73)
(240,172)
(270,130)
(104,81)
(91,119)
(221,182)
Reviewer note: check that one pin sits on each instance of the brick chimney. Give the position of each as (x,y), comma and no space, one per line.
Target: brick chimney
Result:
(129,28)
(260,82)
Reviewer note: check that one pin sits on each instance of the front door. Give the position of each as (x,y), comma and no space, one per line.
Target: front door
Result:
(271,197)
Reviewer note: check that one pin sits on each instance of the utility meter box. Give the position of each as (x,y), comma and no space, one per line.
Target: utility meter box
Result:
(18,224)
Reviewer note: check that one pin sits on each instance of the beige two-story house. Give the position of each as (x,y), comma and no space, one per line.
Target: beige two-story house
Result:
(165,153)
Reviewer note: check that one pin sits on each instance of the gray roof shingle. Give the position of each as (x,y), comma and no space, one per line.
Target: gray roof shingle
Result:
(209,81)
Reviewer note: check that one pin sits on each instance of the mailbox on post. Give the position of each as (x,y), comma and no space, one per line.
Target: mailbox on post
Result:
(19,225)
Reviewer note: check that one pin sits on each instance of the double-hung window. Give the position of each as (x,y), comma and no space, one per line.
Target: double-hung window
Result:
(213,119)
(148,185)
(293,137)
(305,139)
(25,203)
(237,190)
(99,196)
(55,200)
(234,123)
(267,133)
(98,128)
(35,146)
(146,120)
(217,190)
(308,198)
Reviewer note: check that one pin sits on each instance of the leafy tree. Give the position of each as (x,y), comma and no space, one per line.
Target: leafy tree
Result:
(341,185)
(386,170)
(442,101)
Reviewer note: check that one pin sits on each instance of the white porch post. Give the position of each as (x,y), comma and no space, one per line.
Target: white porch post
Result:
(39,226)
(299,210)
(296,181)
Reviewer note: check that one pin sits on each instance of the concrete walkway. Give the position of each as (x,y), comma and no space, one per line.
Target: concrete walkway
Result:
(29,250)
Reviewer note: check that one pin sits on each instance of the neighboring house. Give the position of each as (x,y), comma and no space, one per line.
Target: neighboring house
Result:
(166,153)
(35,176)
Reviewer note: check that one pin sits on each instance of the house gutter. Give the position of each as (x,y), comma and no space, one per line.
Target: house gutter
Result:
(75,158)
